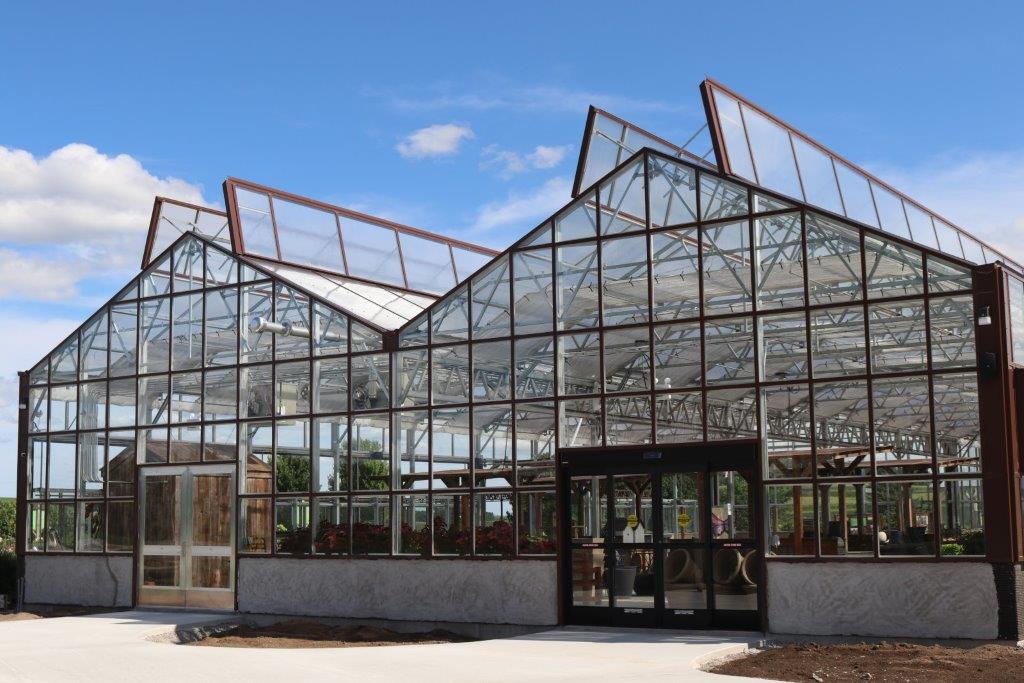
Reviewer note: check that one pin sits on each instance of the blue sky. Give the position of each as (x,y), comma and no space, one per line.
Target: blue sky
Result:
(106,104)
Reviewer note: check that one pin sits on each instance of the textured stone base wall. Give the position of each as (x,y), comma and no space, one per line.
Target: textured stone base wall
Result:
(923,600)
(101,581)
(490,592)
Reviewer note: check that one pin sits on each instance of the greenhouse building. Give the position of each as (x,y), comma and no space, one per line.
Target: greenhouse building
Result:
(736,382)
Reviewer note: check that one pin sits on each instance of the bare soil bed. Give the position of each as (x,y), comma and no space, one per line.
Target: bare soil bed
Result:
(886,662)
(297,633)
(50,611)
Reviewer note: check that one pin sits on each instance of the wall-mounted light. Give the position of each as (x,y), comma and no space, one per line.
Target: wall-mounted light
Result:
(984,316)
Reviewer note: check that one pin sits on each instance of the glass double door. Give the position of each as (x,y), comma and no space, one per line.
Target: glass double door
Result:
(186,530)
(659,546)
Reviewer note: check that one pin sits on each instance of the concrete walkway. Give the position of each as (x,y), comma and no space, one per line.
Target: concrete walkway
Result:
(116,647)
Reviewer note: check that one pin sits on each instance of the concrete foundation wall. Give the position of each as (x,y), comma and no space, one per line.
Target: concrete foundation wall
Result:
(490,592)
(101,581)
(923,600)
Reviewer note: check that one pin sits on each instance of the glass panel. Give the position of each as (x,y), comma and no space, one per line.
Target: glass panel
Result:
(817,176)
(787,430)
(254,525)
(952,328)
(256,392)
(492,446)
(36,451)
(532,291)
(732,414)
(856,195)
(451,525)
(790,511)
(370,381)
(154,400)
(535,367)
(38,403)
(256,309)
(450,447)
(628,420)
(40,374)
(679,418)
(372,251)
(292,526)
(623,201)
(783,346)
(578,221)
(683,506)
(256,469)
(535,511)
(890,211)
(957,423)
(411,450)
(491,301)
(63,408)
(579,363)
(837,342)
(187,332)
(468,262)
(451,318)
(1015,289)
(492,371)
(677,356)
(220,442)
(734,135)
(770,147)
(257,225)
(903,434)
(624,280)
(580,422)
(371,439)
(589,584)
(221,326)
(673,192)
(944,276)
(35,536)
(330,450)
(185,444)
(729,351)
(186,397)
(92,405)
(292,462)
(220,400)
(92,462)
(845,518)
(188,265)
(627,360)
(842,433)
(893,270)
(331,532)
(898,337)
(417,333)
(120,526)
(123,327)
(411,378)
(905,518)
(588,509)
(962,517)
(308,236)
(371,525)
(780,261)
(535,443)
(949,239)
(157,280)
(330,331)
(60,527)
(94,349)
(675,275)
(726,249)
(577,286)
(492,514)
(428,264)
(154,346)
(221,268)
(833,261)
(732,511)
(449,374)
(291,311)
(720,198)
(152,445)
(364,339)
(684,579)
(414,538)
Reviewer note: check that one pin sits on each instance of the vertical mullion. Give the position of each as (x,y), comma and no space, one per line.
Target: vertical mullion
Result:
(873,473)
(931,404)
(650,297)
(805,246)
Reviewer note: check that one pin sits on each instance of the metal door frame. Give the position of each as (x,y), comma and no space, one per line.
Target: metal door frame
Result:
(186,596)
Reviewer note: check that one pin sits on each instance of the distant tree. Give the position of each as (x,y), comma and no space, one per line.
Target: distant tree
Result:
(7,524)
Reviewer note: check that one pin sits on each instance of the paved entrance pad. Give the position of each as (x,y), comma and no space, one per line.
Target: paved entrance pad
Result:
(124,646)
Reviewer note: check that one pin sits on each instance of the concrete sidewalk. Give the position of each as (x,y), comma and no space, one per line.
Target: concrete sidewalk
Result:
(116,647)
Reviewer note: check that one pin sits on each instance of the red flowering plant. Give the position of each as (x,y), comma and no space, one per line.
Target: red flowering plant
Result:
(332,539)
(450,540)
(496,539)
(535,544)
(415,540)
(371,538)
(293,540)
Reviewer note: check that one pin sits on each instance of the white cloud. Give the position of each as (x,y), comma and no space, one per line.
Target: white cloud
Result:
(521,211)
(72,214)
(982,192)
(510,163)
(438,140)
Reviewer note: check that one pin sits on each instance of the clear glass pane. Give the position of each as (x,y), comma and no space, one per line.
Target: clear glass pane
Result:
(577,304)
(257,224)
(833,261)
(780,261)
(624,280)
(673,193)
(308,236)
(372,251)
(675,274)
(623,201)
(532,291)
(727,255)
(491,301)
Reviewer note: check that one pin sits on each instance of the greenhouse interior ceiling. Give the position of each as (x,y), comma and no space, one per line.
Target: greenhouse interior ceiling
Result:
(369,388)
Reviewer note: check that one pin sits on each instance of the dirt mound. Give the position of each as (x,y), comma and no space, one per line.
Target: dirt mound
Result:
(295,633)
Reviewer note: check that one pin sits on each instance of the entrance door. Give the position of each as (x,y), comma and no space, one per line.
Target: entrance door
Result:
(668,541)
(186,533)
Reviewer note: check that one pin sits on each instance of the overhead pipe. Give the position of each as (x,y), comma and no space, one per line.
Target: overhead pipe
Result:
(259,324)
